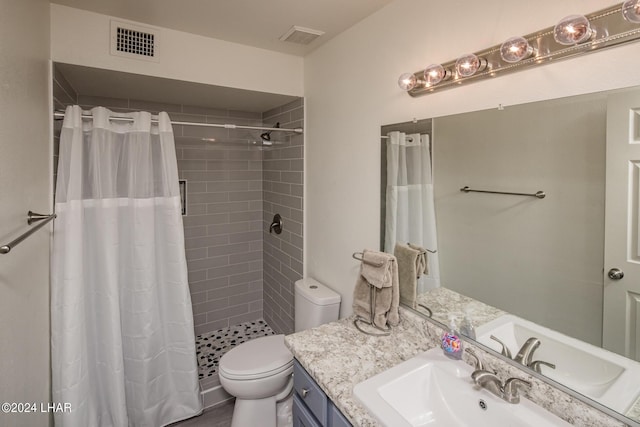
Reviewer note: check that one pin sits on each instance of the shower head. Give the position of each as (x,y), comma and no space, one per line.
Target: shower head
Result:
(267,135)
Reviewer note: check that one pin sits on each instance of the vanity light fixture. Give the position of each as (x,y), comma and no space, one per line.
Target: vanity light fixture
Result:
(631,11)
(515,49)
(574,35)
(469,64)
(572,29)
(434,74)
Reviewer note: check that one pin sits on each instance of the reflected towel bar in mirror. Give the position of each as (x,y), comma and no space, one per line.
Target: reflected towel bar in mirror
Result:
(31,218)
(539,194)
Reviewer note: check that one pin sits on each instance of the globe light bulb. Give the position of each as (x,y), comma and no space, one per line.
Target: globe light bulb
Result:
(572,29)
(631,11)
(407,81)
(434,74)
(469,64)
(515,49)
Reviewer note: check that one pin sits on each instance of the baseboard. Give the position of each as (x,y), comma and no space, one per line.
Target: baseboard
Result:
(214,396)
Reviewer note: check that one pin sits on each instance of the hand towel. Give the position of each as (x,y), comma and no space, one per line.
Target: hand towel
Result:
(422,264)
(384,280)
(410,268)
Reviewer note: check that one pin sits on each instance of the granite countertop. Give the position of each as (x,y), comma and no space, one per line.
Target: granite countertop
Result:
(338,356)
(442,301)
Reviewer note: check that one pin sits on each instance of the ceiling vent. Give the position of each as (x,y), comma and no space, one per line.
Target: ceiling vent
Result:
(134,41)
(301,35)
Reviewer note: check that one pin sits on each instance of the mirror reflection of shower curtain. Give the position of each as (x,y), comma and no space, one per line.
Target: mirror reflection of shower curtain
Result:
(410,215)
(122,339)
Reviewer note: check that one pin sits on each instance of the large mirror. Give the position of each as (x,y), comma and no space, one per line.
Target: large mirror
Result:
(563,268)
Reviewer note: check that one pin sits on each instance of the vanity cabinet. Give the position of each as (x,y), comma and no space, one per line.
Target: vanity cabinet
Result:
(311,407)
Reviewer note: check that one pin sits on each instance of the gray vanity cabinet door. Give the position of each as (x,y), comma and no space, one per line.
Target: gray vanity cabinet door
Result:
(336,419)
(301,415)
(311,407)
(310,393)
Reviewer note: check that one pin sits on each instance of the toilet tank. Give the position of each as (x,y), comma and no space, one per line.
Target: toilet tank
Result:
(315,304)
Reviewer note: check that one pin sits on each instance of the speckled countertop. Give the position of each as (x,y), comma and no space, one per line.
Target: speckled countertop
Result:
(442,302)
(338,357)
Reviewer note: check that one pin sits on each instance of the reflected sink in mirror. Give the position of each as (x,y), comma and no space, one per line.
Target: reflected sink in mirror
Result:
(432,390)
(592,371)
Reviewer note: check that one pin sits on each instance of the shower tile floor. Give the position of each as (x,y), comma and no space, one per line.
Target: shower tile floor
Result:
(210,347)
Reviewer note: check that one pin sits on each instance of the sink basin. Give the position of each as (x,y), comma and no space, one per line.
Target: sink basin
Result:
(592,371)
(432,390)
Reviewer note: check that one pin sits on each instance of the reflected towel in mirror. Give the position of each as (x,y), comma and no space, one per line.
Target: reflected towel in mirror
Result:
(412,264)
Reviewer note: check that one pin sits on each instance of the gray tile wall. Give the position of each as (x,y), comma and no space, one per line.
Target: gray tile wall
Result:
(283,168)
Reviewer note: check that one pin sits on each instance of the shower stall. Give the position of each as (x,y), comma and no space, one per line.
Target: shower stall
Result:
(237,175)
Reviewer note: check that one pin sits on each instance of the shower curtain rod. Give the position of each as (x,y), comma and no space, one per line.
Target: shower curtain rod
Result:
(59,115)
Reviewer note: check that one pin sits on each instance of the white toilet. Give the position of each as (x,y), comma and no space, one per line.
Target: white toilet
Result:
(258,372)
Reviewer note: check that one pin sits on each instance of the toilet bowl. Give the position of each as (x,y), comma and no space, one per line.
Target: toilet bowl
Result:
(259,372)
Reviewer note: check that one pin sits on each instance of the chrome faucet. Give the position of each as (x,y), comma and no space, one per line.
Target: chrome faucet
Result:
(488,380)
(510,389)
(507,391)
(525,355)
(535,365)
(505,350)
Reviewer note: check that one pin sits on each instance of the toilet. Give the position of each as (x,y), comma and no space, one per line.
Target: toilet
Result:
(259,372)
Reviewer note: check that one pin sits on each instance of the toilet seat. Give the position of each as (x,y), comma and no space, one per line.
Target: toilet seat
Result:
(255,359)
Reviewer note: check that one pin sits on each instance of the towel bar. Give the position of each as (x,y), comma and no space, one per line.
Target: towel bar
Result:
(372,303)
(370,322)
(361,255)
(31,218)
(538,194)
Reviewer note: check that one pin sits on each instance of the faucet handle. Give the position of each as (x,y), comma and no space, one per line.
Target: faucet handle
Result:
(535,365)
(525,354)
(511,386)
(505,350)
(479,366)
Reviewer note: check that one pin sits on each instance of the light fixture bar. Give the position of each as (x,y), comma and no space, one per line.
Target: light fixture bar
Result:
(610,29)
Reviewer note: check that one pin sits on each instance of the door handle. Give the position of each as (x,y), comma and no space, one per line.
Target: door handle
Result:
(615,274)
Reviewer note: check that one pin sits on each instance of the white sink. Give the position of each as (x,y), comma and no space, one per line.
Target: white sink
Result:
(592,371)
(432,390)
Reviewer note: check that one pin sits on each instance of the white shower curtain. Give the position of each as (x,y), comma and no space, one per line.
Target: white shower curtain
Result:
(410,212)
(122,340)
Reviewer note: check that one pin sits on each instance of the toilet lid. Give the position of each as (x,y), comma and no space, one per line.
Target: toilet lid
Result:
(256,358)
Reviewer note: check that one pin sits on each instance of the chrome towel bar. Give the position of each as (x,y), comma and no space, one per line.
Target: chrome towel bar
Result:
(539,194)
(360,257)
(31,218)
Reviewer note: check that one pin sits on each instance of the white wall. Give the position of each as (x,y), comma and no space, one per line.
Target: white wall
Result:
(25,163)
(351,90)
(82,38)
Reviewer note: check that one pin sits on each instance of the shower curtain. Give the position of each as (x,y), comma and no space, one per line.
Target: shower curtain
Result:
(122,340)
(410,212)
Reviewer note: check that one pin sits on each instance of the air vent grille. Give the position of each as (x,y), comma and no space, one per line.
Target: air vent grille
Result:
(135,42)
(301,35)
